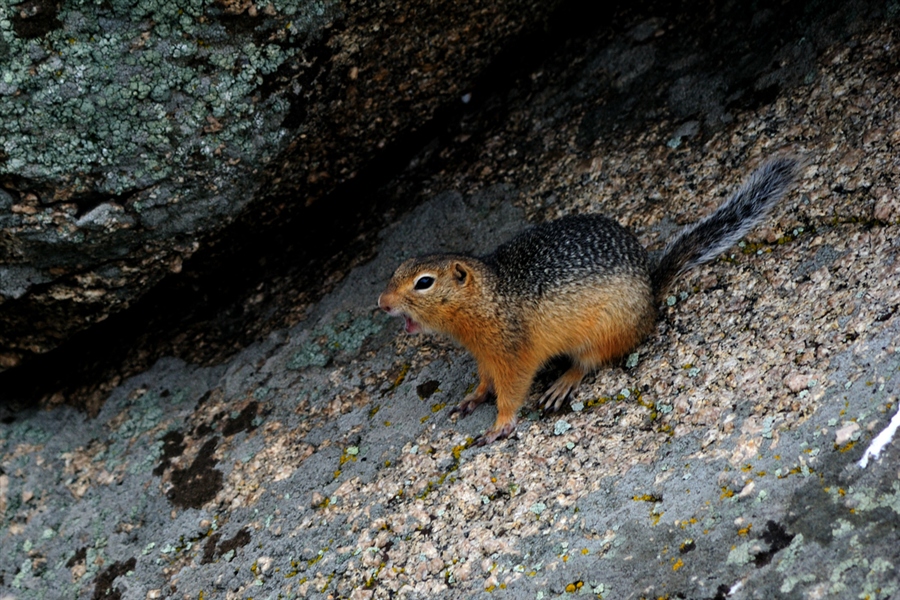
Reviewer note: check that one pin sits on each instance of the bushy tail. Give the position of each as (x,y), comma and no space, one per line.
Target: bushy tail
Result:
(712,235)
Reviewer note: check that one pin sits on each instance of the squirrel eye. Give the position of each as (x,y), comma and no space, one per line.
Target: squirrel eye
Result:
(424,282)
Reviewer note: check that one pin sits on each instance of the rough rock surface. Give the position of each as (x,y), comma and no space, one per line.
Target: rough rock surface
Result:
(132,133)
(719,462)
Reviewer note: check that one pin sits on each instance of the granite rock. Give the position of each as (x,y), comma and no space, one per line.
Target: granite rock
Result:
(133,133)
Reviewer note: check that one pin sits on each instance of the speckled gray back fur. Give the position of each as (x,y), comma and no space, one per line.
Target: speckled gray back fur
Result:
(566,251)
(572,249)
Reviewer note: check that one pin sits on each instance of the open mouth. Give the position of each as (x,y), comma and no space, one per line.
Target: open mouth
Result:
(411,326)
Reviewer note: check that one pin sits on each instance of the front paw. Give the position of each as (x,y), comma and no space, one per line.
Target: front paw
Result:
(496,433)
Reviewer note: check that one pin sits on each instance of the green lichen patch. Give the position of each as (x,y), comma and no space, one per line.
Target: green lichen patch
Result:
(116,96)
(343,336)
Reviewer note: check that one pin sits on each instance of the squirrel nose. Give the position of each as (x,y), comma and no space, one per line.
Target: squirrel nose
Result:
(383,305)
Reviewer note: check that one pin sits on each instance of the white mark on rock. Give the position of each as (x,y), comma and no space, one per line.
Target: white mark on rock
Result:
(881,440)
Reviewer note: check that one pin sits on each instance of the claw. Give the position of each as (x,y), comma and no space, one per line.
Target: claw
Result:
(556,394)
(493,434)
(464,408)
(469,404)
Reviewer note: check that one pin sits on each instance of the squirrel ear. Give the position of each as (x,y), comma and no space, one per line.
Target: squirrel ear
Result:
(460,273)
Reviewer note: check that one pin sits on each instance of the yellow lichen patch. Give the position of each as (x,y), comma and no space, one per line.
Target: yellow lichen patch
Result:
(317,558)
(370,582)
(598,401)
(349,454)
(293,572)
(846,446)
(401,376)
(647,498)
(667,429)
(678,564)
(327,582)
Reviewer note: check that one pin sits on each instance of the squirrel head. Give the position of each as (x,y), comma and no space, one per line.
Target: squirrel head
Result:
(429,292)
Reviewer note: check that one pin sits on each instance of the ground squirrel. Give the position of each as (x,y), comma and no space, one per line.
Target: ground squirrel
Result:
(581,286)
